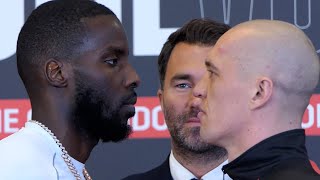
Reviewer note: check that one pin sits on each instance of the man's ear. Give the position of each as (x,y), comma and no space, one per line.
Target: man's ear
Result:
(160,96)
(56,73)
(262,93)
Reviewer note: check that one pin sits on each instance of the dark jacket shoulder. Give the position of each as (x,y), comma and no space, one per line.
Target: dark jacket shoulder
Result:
(161,172)
(293,169)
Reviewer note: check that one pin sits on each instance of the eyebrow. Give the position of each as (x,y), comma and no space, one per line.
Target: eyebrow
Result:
(116,50)
(210,65)
(180,77)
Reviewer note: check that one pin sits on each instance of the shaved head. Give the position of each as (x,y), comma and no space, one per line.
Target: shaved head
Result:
(276,50)
(260,77)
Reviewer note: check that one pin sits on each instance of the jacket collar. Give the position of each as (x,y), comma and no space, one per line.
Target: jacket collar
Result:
(263,156)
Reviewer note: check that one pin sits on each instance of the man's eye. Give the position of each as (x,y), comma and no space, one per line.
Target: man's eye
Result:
(210,73)
(111,62)
(183,86)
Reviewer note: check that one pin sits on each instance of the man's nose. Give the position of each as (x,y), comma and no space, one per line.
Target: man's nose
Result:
(199,93)
(133,79)
(200,89)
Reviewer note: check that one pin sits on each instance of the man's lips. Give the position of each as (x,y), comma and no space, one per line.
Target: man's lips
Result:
(193,120)
(201,113)
(132,101)
(129,109)
(128,105)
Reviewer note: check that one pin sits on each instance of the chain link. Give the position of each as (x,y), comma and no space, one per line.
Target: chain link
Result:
(65,156)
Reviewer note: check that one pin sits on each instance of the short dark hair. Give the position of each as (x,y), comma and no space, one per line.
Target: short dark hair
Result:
(53,30)
(203,32)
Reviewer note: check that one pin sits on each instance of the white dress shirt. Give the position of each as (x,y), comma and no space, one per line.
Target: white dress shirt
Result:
(178,172)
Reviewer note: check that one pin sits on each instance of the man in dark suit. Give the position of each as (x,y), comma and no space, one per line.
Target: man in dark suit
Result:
(181,66)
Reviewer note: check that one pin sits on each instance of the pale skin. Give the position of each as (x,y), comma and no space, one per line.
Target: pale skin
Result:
(260,77)
(184,71)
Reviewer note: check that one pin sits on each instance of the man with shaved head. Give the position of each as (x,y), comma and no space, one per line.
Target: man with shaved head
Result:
(260,77)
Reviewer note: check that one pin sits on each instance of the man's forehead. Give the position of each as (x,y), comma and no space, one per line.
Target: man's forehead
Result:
(95,26)
(98,19)
(237,45)
(104,32)
(219,55)
(215,52)
(186,71)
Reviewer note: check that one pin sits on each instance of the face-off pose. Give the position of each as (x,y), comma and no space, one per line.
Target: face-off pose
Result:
(72,57)
(260,77)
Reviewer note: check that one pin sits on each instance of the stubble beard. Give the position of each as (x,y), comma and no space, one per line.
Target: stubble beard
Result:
(187,140)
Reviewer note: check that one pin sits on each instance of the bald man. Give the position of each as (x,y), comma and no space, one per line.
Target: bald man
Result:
(260,77)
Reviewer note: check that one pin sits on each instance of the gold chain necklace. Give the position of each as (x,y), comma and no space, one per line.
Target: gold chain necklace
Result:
(65,156)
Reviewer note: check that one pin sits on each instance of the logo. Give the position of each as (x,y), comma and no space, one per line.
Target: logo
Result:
(311,117)
(148,121)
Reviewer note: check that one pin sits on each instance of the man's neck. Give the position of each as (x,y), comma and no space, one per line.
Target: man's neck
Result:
(198,164)
(244,140)
(77,145)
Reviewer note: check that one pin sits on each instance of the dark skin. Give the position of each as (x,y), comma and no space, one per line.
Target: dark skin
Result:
(103,62)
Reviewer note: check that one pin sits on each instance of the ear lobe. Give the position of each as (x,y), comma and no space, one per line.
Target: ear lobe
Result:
(262,94)
(55,73)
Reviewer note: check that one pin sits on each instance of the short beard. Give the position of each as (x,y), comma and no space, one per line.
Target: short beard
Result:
(188,141)
(96,116)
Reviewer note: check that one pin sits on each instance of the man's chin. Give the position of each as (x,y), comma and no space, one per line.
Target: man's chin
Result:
(191,129)
(128,111)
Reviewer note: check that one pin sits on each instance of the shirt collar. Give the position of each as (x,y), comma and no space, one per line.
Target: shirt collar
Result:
(178,172)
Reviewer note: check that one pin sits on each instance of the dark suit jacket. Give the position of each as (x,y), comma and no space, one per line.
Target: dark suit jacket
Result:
(161,172)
